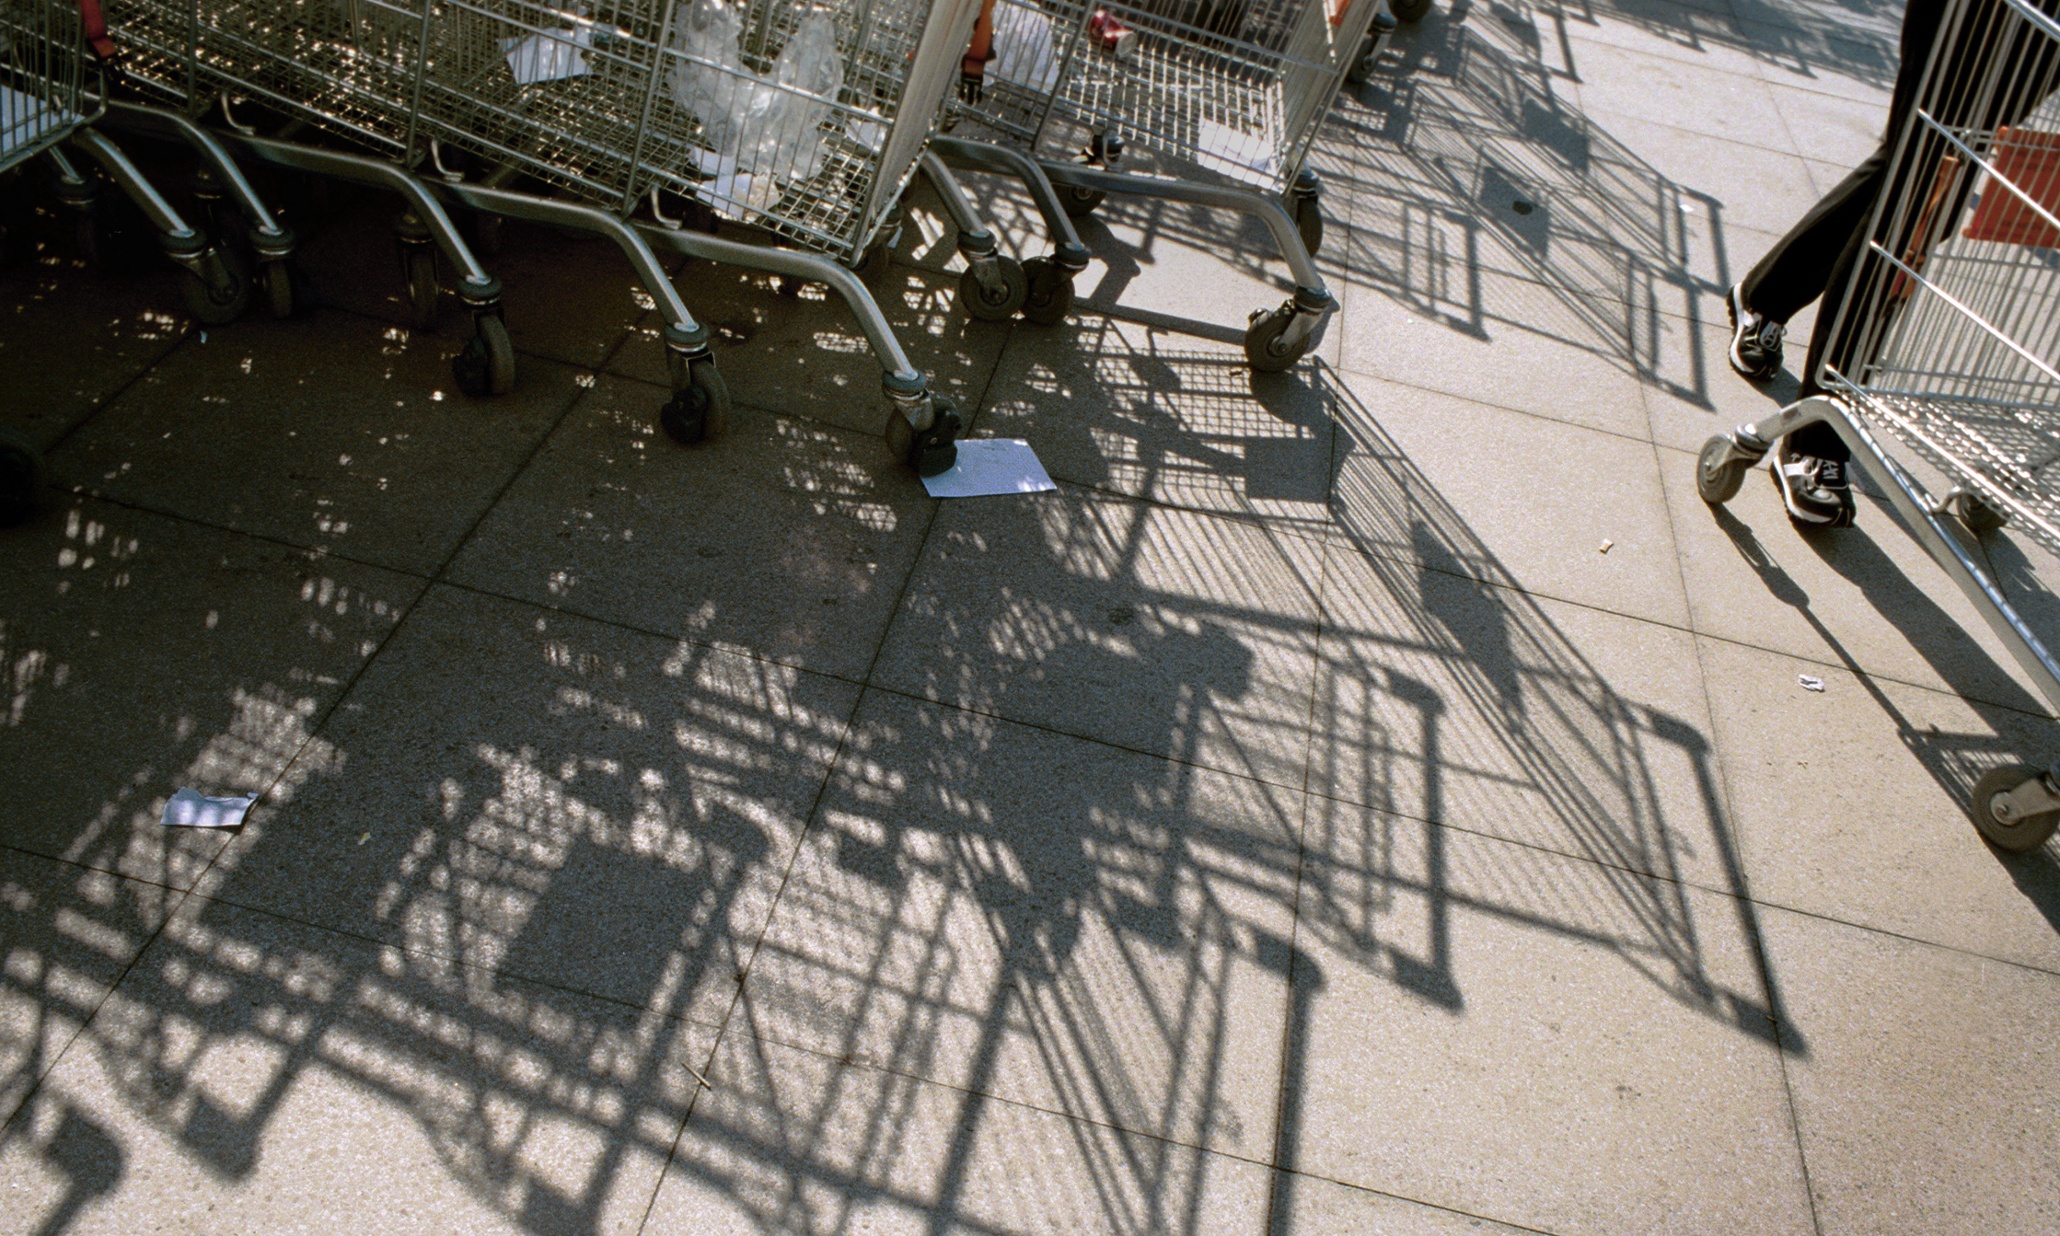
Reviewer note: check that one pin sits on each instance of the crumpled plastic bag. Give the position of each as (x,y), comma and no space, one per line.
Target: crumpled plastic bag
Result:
(1023,49)
(763,130)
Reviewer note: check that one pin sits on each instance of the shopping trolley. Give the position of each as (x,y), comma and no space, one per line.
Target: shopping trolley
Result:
(1947,341)
(49,55)
(1231,91)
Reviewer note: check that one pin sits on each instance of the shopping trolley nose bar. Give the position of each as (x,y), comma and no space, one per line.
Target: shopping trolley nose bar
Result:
(476,286)
(902,377)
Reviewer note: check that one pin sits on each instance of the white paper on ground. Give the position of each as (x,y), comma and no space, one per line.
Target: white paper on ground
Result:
(988,466)
(1223,149)
(548,57)
(192,809)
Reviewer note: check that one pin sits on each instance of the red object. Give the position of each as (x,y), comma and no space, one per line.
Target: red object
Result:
(95,24)
(2030,160)
(1113,35)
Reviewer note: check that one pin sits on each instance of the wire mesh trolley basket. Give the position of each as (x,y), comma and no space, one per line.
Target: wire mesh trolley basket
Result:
(1230,93)
(1947,341)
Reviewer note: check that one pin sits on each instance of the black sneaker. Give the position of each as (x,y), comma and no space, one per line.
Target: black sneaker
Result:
(1755,340)
(1814,490)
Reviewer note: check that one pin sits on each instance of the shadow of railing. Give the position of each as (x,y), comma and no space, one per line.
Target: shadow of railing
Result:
(1060,867)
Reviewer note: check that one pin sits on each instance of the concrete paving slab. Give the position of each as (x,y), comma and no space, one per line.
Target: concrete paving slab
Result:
(1015,913)
(1852,804)
(1537,1040)
(802,353)
(548,798)
(1753,188)
(70,933)
(1413,464)
(147,654)
(1443,699)
(1131,409)
(71,339)
(1494,353)
(1866,598)
(330,432)
(1198,631)
(1700,100)
(795,1142)
(1832,130)
(1312,1204)
(789,540)
(253,1073)
(1925,1099)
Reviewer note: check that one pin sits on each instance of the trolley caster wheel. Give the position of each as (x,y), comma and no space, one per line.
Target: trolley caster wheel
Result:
(1309,222)
(419,263)
(1362,70)
(220,292)
(1078,203)
(486,364)
(21,478)
(283,292)
(1992,814)
(1409,10)
(998,303)
(1720,470)
(929,451)
(1050,297)
(1978,516)
(1263,346)
(699,411)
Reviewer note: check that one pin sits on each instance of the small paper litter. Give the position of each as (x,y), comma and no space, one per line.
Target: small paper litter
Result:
(192,809)
(988,466)
(1808,683)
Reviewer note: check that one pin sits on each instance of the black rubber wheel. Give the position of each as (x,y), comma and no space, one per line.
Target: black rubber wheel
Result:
(279,289)
(700,411)
(2019,835)
(997,304)
(1078,203)
(935,449)
(21,478)
(419,262)
(1718,473)
(1262,342)
(1980,517)
(220,295)
(1050,297)
(486,364)
(1409,10)
(1309,222)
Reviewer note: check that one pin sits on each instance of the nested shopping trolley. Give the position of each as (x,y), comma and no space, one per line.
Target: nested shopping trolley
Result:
(50,99)
(1228,94)
(804,122)
(1946,343)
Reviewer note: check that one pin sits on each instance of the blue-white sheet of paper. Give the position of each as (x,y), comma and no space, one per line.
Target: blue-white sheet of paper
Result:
(988,466)
(192,809)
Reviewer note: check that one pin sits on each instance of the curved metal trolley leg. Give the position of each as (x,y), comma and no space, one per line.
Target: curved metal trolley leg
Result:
(699,409)
(486,366)
(922,428)
(994,287)
(1050,278)
(216,292)
(2014,807)
(271,242)
(1274,339)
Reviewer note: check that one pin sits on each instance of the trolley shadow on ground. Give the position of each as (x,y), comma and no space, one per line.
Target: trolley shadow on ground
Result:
(1490,204)
(1954,760)
(509,927)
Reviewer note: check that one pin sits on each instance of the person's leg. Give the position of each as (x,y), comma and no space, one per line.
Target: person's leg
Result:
(1798,269)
